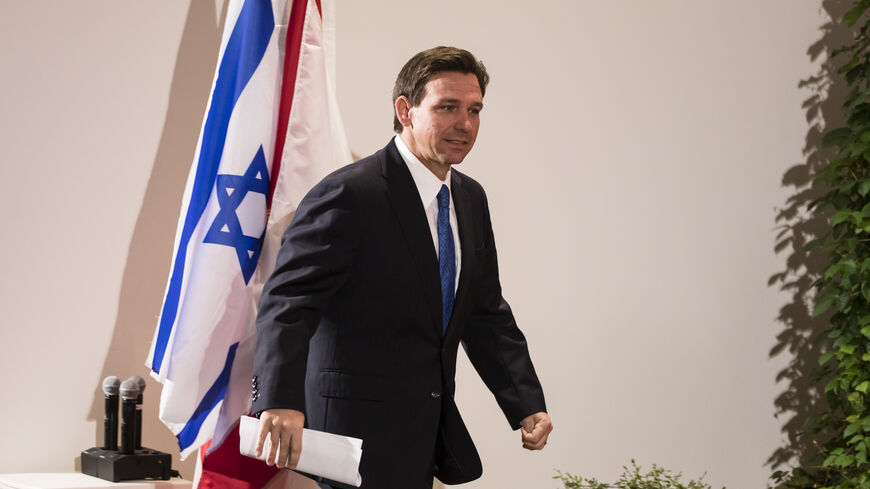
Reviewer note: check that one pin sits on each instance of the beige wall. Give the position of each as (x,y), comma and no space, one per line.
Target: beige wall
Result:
(632,152)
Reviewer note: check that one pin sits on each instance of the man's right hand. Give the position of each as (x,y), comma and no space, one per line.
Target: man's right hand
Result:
(284,427)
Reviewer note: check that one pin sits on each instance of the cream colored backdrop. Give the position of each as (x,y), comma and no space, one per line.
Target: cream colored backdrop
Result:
(633,154)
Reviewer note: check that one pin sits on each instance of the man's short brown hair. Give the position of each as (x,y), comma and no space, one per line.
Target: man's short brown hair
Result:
(413,77)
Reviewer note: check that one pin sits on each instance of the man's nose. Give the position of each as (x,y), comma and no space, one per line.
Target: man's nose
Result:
(463,122)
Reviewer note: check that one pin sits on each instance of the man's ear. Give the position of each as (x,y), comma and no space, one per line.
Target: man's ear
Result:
(403,111)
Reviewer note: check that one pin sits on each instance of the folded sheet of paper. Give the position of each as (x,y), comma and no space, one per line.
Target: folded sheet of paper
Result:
(326,455)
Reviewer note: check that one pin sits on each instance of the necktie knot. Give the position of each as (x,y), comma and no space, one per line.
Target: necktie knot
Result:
(444,197)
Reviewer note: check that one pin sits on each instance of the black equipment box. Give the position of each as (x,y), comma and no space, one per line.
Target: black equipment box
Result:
(110,465)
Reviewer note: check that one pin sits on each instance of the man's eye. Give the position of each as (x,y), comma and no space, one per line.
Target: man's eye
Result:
(447,107)
(475,111)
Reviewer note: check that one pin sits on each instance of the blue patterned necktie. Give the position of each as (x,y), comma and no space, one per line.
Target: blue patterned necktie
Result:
(446,256)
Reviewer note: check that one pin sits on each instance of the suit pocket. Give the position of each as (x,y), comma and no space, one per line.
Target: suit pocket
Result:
(344,385)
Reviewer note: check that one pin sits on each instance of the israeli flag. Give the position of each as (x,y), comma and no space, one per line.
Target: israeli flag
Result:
(206,323)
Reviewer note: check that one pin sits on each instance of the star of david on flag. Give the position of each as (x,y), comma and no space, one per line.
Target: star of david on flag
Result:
(227,229)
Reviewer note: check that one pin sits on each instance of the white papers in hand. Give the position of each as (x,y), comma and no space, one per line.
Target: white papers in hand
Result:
(326,455)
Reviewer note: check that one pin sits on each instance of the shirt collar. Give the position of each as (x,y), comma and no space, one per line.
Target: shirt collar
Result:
(428,185)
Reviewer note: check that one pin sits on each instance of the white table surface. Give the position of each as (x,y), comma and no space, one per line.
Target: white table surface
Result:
(77,480)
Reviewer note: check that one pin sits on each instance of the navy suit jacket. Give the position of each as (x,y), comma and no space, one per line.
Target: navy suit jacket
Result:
(350,328)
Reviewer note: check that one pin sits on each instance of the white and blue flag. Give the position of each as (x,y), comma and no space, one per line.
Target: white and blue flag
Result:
(239,198)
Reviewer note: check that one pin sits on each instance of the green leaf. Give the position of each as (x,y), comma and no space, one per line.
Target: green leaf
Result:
(824,358)
(847,349)
(863,387)
(855,13)
(843,303)
(860,99)
(841,216)
(849,266)
(824,302)
(814,243)
(851,429)
(854,73)
(866,331)
(845,460)
(847,186)
(836,137)
(863,188)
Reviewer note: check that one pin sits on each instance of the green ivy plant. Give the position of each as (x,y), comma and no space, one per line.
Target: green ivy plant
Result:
(634,478)
(842,432)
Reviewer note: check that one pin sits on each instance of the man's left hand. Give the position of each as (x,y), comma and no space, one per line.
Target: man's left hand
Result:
(535,429)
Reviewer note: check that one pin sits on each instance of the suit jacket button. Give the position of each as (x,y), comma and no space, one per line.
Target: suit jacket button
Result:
(435,395)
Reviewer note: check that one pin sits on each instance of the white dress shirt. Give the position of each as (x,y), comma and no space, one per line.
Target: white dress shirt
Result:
(428,186)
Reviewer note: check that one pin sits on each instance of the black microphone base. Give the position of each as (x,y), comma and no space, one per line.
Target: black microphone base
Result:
(111,465)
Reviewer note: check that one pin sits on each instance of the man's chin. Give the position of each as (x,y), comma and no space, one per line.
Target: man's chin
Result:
(453,156)
(451,160)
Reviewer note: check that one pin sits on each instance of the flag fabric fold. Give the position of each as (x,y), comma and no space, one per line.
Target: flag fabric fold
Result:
(270,132)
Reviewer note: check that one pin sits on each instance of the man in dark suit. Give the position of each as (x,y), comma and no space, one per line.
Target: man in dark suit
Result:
(388,265)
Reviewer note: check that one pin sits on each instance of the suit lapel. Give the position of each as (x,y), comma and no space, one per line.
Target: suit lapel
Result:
(466,232)
(405,200)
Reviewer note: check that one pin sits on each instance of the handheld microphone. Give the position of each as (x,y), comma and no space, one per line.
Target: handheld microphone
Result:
(129,393)
(110,421)
(137,434)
